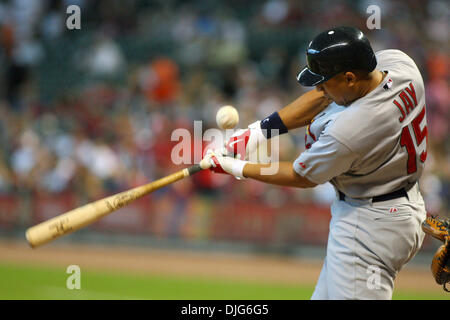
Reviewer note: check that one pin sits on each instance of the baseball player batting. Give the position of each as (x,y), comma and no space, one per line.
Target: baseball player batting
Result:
(367,136)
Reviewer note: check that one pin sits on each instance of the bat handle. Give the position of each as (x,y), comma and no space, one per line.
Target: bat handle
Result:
(194,169)
(204,164)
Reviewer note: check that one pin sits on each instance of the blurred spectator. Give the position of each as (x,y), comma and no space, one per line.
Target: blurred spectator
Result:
(161,81)
(104,58)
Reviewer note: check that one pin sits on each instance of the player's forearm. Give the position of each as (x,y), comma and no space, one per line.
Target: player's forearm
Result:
(281,173)
(300,112)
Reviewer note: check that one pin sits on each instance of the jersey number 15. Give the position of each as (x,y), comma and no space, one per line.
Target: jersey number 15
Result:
(407,141)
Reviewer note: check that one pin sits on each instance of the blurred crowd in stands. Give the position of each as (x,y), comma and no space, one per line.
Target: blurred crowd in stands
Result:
(98,137)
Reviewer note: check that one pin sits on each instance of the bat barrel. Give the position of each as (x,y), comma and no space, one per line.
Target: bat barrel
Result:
(66,223)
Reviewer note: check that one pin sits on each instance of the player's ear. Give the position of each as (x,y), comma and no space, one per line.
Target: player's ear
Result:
(350,78)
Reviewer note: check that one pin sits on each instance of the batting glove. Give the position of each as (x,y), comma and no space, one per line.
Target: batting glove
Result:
(245,142)
(228,165)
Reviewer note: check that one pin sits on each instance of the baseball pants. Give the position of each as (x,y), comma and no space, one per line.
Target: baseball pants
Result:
(368,244)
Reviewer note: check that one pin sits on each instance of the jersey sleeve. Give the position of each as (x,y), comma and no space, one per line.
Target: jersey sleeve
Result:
(326,159)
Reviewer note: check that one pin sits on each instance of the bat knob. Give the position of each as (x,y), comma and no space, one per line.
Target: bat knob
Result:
(205,163)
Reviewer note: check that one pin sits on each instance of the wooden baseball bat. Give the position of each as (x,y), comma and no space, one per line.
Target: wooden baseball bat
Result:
(80,217)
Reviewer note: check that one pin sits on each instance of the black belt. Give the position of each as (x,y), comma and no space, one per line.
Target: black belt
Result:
(384,197)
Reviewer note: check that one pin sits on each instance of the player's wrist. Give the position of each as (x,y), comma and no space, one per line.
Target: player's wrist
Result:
(273,126)
(237,169)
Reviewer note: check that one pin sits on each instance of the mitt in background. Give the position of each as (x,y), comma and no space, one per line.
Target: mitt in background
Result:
(439,228)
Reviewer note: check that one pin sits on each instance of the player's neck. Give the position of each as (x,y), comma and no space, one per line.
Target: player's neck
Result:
(365,86)
(373,80)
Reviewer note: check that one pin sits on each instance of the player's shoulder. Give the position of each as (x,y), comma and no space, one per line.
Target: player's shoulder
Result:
(330,112)
(401,70)
(394,59)
(320,122)
(333,108)
(346,123)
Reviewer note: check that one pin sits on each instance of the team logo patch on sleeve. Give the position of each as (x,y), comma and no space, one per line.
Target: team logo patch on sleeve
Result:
(388,84)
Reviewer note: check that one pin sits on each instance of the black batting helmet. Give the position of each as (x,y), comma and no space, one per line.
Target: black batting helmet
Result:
(334,51)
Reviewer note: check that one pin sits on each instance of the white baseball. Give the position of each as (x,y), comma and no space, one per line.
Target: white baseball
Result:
(227,117)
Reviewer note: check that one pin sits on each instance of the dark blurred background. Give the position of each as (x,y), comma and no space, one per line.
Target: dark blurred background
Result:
(88,113)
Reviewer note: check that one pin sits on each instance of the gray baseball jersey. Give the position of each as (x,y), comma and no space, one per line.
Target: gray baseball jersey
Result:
(320,122)
(378,143)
